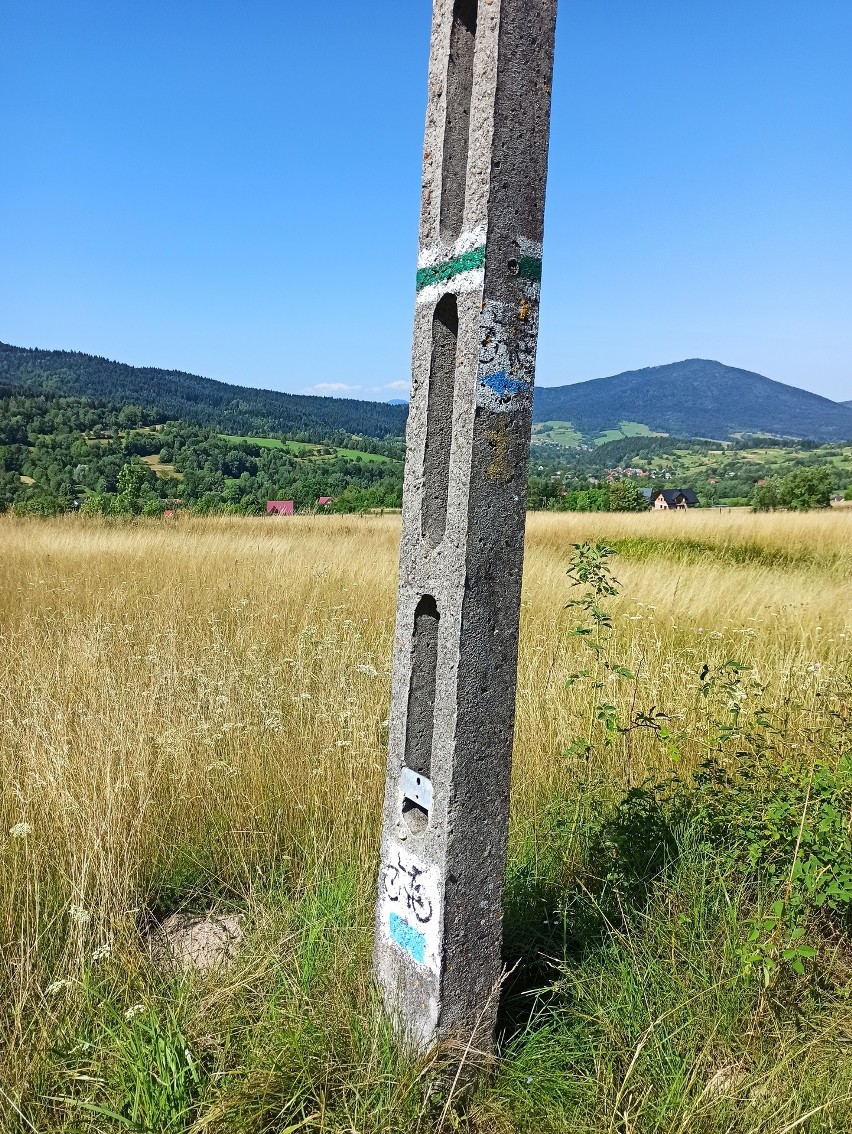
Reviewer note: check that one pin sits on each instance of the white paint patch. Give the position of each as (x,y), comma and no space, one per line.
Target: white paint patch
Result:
(473,280)
(410,911)
(475,238)
(529,247)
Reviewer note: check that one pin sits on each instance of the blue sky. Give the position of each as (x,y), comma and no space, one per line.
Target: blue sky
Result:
(231,187)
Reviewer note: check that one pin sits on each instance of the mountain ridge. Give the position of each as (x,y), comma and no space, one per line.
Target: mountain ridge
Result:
(191,397)
(695,398)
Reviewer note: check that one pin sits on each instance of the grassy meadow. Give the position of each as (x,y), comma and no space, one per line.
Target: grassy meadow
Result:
(194,716)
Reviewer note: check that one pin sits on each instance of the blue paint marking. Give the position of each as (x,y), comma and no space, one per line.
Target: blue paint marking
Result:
(502,385)
(408,938)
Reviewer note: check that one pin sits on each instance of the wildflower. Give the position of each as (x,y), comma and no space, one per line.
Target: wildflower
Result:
(134,1010)
(101,953)
(55,987)
(79,914)
(20,830)
(815,667)
(305,696)
(368,669)
(344,743)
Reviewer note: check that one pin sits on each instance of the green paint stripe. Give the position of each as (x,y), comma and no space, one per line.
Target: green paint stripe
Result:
(438,273)
(529,267)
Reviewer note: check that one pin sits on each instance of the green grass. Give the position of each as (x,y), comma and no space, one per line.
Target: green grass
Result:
(357,455)
(697,551)
(689,462)
(626,429)
(627,1006)
(307,450)
(266,442)
(557,433)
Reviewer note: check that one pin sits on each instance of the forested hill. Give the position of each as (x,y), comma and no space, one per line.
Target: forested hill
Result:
(695,398)
(189,397)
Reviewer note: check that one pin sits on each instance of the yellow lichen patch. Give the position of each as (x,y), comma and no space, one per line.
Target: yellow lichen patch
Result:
(499,469)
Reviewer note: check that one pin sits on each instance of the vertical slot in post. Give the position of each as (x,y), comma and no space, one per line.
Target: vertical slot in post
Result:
(420,721)
(439,432)
(457,125)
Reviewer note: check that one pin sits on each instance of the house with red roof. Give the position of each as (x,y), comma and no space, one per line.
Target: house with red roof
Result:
(279,508)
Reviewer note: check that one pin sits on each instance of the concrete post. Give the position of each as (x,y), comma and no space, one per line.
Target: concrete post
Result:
(438,919)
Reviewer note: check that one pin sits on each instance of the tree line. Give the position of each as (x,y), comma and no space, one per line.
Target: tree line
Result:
(59,453)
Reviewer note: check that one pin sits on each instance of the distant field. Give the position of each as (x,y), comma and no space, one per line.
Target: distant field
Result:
(154,462)
(775,459)
(557,433)
(195,714)
(305,449)
(626,429)
(564,433)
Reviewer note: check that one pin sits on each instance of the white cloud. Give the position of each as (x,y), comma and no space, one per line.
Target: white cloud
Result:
(397,385)
(331,388)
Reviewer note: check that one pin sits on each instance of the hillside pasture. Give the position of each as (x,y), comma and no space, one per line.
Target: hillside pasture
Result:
(194,716)
(309,451)
(161,468)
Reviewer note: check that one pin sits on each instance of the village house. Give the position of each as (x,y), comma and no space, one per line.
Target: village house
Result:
(279,508)
(324,501)
(673,498)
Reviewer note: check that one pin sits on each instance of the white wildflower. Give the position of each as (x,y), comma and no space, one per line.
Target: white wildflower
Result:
(344,743)
(368,669)
(79,914)
(101,953)
(55,987)
(305,696)
(20,830)
(134,1010)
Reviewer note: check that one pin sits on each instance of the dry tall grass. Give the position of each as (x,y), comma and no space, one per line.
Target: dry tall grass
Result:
(215,692)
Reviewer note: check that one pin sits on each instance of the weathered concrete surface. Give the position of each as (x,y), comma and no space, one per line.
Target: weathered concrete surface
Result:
(438,919)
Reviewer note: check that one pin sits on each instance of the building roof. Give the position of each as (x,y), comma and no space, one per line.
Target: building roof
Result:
(279,507)
(323,500)
(672,495)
